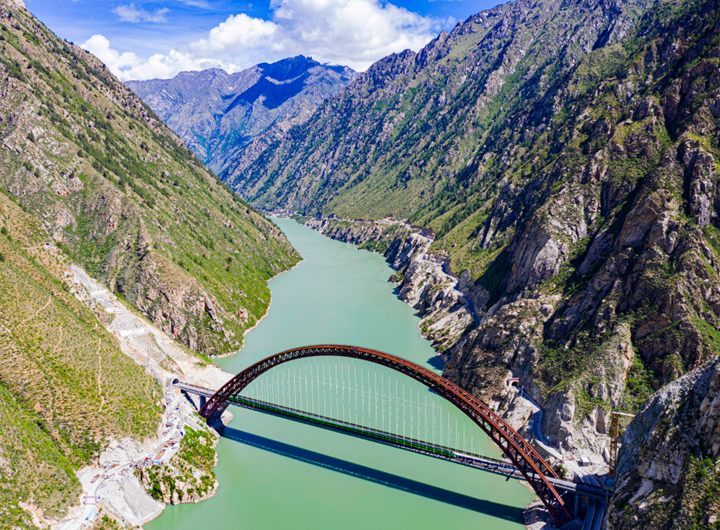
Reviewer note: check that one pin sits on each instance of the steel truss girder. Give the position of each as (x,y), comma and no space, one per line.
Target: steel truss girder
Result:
(524,457)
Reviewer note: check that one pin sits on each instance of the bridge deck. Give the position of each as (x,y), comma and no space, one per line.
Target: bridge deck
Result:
(485,463)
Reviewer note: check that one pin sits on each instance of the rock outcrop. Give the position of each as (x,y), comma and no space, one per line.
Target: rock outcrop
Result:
(188,476)
(423,283)
(669,465)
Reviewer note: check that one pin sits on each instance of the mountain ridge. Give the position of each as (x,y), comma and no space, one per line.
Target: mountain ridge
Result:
(565,157)
(219,114)
(467,67)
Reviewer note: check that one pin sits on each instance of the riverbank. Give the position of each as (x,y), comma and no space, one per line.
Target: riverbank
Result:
(445,303)
(112,485)
(267,311)
(279,474)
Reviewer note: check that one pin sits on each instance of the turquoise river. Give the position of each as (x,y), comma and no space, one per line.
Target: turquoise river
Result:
(276,474)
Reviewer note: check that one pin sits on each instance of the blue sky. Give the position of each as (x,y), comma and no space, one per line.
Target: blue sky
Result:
(143,39)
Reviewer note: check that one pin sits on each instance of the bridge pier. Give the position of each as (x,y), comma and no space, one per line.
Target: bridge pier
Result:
(215,421)
(198,396)
(576,509)
(197,400)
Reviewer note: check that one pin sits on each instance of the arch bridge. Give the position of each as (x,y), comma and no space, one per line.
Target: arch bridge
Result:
(527,463)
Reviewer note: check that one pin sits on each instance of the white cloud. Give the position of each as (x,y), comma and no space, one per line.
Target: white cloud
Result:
(238,32)
(100,47)
(131,13)
(197,3)
(129,66)
(355,33)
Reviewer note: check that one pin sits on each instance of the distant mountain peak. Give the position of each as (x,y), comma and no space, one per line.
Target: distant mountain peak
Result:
(218,114)
(289,68)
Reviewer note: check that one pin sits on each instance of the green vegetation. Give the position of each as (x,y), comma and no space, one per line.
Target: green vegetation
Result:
(638,386)
(196,451)
(91,176)
(65,387)
(375,246)
(104,522)
(492,277)
(34,467)
(131,204)
(189,472)
(711,336)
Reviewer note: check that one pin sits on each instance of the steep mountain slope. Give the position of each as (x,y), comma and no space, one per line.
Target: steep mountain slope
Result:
(398,139)
(122,196)
(608,287)
(65,386)
(669,470)
(565,155)
(219,114)
(90,175)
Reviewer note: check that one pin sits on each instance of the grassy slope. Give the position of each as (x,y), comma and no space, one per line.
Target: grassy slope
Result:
(125,197)
(87,168)
(65,386)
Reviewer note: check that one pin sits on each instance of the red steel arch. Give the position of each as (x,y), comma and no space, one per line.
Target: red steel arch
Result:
(523,456)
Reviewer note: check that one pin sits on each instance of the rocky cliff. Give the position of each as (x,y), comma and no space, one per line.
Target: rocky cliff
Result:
(423,282)
(120,194)
(564,158)
(219,115)
(669,466)
(606,289)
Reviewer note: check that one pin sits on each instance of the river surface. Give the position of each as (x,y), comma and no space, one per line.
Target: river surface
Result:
(276,474)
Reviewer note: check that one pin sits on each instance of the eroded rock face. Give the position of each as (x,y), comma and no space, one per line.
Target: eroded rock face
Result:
(626,304)
(669,465)
(423,282)
(446,313)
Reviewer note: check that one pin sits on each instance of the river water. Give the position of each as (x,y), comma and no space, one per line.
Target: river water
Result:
(276,474)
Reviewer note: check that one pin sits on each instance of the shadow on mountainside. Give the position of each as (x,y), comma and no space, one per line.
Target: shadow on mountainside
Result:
(436,362)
